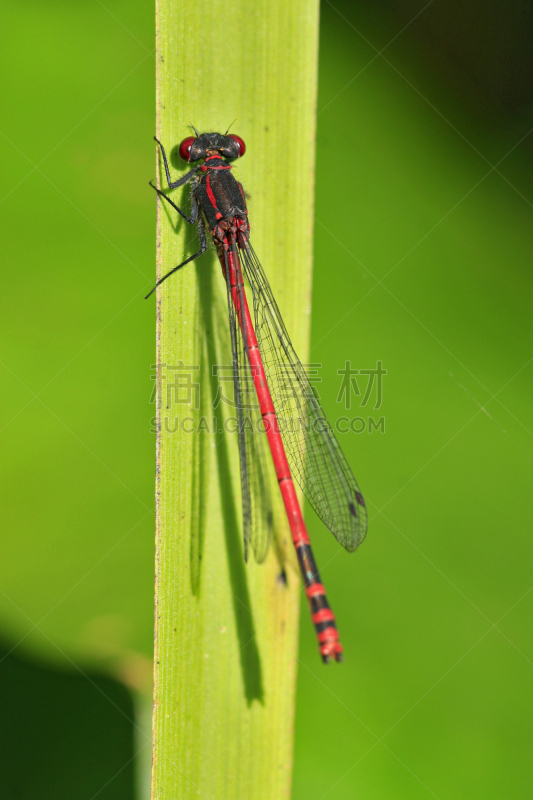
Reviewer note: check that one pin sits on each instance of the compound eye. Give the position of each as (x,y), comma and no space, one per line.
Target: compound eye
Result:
(185,148)
(240,142)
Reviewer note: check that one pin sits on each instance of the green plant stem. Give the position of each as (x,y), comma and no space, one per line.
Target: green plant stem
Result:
(226,632)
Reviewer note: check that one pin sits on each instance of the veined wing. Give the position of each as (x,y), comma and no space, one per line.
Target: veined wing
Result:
(315,457)
(256,498)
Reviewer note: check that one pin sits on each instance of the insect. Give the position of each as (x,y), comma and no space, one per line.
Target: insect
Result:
(301,441)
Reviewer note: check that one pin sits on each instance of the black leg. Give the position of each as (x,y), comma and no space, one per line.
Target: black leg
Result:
(183,179)
(201,251)
(194,209)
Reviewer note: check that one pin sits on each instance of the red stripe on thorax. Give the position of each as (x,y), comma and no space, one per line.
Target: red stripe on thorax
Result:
(205,167)
(210,193)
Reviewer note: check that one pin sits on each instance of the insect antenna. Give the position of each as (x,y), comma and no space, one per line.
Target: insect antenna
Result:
(235,120)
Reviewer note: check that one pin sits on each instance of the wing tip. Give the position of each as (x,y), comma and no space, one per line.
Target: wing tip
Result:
(361,522)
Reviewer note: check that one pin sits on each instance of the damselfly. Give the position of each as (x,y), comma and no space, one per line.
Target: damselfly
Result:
(301,441)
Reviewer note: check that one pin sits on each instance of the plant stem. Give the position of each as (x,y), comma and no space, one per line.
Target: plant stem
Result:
(226,632)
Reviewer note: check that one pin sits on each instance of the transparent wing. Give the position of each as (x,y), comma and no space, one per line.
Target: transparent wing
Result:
(315,457)
(255,485)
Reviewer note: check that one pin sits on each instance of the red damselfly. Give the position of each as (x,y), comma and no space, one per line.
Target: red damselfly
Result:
(303,445)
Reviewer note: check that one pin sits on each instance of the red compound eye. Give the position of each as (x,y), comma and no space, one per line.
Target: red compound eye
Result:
(240,142)
(185,147)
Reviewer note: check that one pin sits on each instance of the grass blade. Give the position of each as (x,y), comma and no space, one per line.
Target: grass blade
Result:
(226,632)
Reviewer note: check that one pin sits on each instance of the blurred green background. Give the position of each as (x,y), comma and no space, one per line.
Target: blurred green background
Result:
(422,261)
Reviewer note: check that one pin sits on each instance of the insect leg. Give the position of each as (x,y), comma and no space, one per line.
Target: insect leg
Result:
(183,179)
(194,209)
(201,251)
